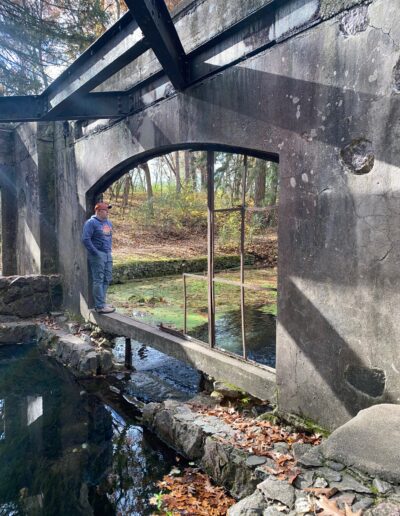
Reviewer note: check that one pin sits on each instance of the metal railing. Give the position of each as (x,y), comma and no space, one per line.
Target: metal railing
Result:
(225,282)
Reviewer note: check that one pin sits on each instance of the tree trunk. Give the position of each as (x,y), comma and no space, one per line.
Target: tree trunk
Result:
(203,170)
(193,171)
(259,183)
(177,172)
(187,166)
(125,197)
(149,188)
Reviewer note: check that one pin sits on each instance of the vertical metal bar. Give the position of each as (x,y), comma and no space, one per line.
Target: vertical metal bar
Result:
(242,236)
(210,247)
(184,305)
(128,353)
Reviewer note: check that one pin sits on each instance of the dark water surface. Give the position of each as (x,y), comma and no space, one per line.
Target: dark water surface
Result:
(63,451)
(157,376)
(260,334)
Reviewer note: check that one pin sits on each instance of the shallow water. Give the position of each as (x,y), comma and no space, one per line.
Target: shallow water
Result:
(157,376)
(63,451)
(260,334)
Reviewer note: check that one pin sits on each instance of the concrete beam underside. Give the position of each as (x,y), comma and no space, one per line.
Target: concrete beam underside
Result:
(259,381)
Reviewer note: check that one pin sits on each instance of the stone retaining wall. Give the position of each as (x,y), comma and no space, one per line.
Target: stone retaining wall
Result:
(259,480)
(134,269)
(81,356)
(28,296)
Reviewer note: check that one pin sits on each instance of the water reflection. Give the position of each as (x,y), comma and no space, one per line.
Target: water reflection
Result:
(260,331)
(62,451)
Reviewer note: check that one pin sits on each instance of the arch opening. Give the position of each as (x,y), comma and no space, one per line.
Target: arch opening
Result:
(195,245)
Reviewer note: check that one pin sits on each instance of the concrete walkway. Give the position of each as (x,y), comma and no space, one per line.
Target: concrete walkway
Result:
(259,381)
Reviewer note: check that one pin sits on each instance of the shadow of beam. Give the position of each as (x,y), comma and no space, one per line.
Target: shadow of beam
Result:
(319,347)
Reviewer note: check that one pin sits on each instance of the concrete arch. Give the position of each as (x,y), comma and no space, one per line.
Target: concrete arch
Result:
(120,169)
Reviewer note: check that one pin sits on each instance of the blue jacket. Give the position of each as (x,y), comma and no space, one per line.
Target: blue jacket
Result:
(97,235)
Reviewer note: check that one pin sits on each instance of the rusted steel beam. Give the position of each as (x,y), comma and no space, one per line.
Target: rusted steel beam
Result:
(184,305)
(227,210)
(66,98)
(159,31)
(230,282)
(210,248)
(242,242)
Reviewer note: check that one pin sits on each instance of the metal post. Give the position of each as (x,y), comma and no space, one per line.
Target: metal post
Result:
(184,305)
(210,248)
(128,353)
(242,236)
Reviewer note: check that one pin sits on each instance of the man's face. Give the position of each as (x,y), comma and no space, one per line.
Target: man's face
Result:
(102,214)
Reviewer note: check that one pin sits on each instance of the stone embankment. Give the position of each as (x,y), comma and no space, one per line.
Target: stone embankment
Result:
(131,269)
(28,296)
(325,477)
(80,354)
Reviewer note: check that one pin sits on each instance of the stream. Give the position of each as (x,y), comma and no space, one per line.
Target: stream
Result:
(65,451)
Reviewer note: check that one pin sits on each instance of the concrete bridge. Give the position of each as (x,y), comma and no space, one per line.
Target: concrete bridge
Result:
(313,85)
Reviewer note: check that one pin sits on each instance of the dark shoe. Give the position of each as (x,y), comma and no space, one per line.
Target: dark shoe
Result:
(105,310)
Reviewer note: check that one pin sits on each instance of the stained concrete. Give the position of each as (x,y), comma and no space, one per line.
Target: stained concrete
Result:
(27,181)
(8,200)
(323,99)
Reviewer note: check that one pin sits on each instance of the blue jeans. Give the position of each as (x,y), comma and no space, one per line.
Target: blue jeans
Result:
(101,269)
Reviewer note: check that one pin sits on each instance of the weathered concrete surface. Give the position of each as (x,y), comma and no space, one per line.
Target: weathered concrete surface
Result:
(28,208)
(326,104)
(193,435)
(260,382)
(27,296)
(369,442)
(8,201)
(311,96)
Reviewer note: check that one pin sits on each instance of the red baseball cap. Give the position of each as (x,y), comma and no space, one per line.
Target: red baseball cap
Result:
(102,206)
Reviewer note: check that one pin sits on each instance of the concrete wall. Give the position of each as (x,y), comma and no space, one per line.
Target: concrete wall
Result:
(326,102)
(8,201)
(33,179)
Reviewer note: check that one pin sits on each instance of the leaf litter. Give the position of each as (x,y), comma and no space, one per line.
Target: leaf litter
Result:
(193,493)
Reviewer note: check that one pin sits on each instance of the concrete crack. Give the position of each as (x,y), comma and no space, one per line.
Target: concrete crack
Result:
(385,255)
(380,29)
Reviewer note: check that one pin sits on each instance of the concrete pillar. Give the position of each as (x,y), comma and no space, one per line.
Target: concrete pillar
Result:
(9,210)
(47,198)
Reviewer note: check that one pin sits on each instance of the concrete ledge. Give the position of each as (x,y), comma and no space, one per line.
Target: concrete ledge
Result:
(259,381)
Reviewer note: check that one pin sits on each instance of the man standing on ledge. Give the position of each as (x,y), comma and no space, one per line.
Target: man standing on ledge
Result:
(97,238)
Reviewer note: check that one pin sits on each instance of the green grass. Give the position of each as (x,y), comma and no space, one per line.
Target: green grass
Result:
(161,299)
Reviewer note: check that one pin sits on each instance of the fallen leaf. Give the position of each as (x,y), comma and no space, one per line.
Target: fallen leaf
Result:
(349,512)
(329,507)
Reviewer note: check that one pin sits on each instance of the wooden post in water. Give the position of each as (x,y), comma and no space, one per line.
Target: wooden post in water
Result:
(128,353)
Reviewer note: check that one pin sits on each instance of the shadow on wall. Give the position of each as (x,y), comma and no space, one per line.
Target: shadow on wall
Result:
(330,114)
(321,351)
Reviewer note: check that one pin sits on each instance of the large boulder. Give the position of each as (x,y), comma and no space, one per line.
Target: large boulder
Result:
(369,442)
